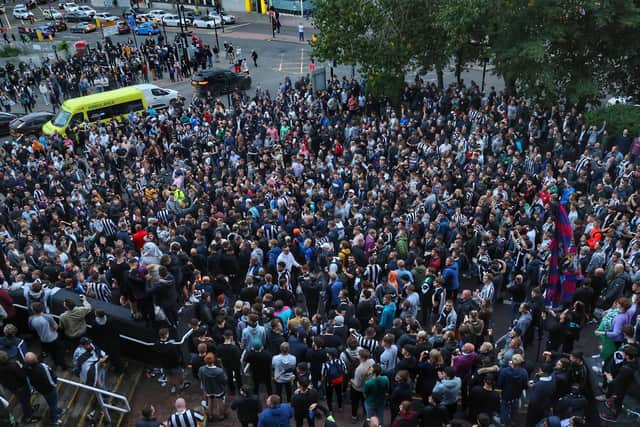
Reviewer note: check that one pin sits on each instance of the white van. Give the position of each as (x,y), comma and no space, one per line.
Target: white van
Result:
(158,97)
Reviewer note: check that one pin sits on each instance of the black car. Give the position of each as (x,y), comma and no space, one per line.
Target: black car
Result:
(5,119)
(77,17)
(30,124)
(219,82)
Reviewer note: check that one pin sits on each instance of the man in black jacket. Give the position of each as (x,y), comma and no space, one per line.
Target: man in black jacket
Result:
(302,398)
(14,379)
(170,355)
(259,361)
(229,354)
(619,385)
(248,407)
(44,380)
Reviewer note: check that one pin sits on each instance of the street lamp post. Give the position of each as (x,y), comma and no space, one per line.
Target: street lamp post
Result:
(185,54)
(215,30)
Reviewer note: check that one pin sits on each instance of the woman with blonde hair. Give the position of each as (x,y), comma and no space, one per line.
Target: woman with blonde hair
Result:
(429,363)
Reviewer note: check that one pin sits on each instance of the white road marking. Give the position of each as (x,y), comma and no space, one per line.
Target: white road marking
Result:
(302,61)
(231,28)
(281,58)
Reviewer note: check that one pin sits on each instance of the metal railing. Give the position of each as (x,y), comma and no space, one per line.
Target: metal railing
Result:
(99,396)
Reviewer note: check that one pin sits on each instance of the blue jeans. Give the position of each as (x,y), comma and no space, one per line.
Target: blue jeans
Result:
(52,401)
(375,412)
(508,411)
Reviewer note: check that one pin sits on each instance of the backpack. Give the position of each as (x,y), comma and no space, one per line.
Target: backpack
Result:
(335,374)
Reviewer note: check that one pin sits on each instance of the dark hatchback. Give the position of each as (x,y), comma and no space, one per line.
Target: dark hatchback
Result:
(30,124)
(219,82)
(5,119)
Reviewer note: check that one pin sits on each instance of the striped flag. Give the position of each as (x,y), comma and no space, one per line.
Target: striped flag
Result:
(563,274)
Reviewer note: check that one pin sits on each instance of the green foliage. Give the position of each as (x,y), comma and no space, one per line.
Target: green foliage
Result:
(63,46)
(9,51)
(570,52)
(618,118)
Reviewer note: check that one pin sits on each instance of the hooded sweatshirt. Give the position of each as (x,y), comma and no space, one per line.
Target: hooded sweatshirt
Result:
(251,333)
(450,389)
(213,380)
(278,416)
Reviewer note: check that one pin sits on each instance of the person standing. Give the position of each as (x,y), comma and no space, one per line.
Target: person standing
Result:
(276,414)
(375,389)
(14,379)
(213,382)
(72,321)
(248,407)
(360,375)
(512,380)
(229,354)
(184,417)
(284,366)
(254,56)
(333,374)
(105,335)
(44,380)
(47,330)
(258,361)
(302,399)
(300,32)
(89,363)
(148,417)
(170,355)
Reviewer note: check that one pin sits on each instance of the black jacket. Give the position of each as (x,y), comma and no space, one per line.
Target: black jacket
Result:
(248,408)
(42,378)
(300,402)
(12,377)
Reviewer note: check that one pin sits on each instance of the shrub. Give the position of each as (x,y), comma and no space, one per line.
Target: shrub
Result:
(9,51)
(618,117)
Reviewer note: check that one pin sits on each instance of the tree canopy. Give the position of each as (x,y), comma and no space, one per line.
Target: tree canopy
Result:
(572,51)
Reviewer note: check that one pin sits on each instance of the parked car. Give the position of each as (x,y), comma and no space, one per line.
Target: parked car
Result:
(189,15)
(52,14)
(132,11)
(224,16)
(5,119)
(206,22)
(76,17)
(86,10)
(30,123)
(147,28)
(174,21)
(157,14)
(105,16)
(68,7)
(84,27)
(123,27)
(20,11)
(219,82)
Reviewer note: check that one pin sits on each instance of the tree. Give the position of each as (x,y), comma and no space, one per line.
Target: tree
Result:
(571,51)
(384,38)
(464,26)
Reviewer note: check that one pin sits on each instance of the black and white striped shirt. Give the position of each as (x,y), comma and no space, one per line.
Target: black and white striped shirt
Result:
(164,216)
(108,227)
(101,290)
(372,273)
(328,365)
(285,275)
(188,418)
(270,231)
(369,343)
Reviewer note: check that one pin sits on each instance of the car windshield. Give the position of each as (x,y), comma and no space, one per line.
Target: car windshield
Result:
(62,118)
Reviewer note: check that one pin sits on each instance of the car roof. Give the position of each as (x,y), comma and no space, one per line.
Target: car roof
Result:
(36,115)
(212,71)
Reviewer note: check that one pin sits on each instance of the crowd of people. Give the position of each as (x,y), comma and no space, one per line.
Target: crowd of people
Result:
(105,65)
(337,252)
